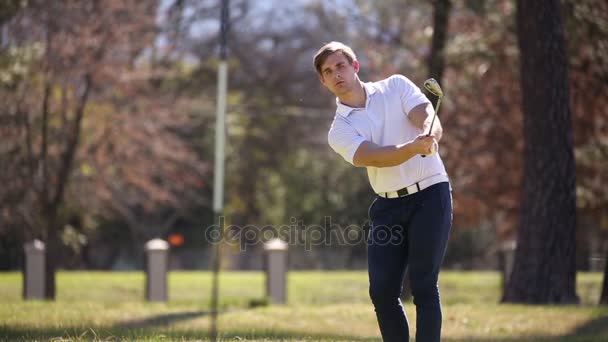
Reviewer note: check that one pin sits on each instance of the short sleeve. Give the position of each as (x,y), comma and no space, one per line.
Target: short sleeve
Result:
(411,96)
(344,139)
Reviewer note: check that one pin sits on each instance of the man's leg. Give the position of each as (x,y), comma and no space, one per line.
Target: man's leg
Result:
(428,236)
(387,260)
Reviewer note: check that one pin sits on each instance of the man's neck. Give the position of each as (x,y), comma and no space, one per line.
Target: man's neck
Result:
(355,98)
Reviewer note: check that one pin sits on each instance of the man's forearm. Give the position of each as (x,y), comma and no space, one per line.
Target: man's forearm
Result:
(421,116)
(370,154)
(437,131)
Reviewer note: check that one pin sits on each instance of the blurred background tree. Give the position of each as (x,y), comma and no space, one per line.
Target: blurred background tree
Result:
(546,236)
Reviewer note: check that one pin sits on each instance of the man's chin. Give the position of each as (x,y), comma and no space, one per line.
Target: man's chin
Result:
(341,90)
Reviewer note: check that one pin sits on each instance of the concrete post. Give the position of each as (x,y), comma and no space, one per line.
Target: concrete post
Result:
(156,270)
(276,270)
(34,277)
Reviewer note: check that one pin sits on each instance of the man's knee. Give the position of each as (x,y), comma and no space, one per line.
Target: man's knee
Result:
(425,293)
(384,292)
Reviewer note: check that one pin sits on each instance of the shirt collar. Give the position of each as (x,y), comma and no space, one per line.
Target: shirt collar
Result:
(344,110)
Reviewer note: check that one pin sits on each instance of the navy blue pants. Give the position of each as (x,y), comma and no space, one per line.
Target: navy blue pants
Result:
(409,232)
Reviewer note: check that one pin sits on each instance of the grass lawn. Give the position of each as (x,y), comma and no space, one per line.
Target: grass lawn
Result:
(322,306)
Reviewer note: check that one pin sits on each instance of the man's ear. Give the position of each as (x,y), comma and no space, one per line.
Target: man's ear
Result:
(356,65)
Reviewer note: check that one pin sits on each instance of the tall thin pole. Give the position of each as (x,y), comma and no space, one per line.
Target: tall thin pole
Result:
(220,157)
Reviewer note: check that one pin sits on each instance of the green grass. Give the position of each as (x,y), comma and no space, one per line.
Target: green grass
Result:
(322,306)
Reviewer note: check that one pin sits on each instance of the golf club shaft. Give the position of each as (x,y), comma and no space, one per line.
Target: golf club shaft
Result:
(435,115)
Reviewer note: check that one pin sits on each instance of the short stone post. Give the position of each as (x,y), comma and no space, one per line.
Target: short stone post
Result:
(34,277)
(276,270)
(156,270)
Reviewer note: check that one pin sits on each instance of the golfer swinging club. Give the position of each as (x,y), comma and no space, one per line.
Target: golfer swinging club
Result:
(383,126)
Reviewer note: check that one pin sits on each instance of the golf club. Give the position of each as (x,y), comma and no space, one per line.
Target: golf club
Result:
(434,88)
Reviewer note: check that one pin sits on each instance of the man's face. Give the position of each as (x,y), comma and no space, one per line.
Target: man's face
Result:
(338,75)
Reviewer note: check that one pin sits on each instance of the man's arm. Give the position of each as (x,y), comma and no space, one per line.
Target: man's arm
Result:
(370,154)
(422,115)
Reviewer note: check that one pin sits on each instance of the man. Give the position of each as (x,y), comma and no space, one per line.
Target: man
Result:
(382,126)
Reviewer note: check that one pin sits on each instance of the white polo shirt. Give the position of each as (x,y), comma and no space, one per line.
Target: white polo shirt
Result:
(384,122)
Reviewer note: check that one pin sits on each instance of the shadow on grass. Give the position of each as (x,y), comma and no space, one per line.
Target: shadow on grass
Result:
(159,328)
(595,330)
(530,339)
(138,334)
(598,326)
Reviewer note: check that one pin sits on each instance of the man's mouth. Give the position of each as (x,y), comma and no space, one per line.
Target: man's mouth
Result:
(339,83)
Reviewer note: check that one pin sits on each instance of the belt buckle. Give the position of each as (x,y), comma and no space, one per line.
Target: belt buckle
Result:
(402,192)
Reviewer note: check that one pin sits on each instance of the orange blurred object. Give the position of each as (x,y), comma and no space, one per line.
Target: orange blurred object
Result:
(176,240)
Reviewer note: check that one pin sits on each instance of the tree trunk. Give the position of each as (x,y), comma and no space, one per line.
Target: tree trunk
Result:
(545,259)
(604,296)
(436,61)
(52,248)
(52,203)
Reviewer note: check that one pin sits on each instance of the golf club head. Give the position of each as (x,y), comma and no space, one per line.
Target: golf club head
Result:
(433,87)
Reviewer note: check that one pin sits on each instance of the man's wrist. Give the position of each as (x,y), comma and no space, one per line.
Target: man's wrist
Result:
(407,150)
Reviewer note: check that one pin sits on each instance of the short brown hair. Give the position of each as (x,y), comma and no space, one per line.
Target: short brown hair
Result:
(330,48)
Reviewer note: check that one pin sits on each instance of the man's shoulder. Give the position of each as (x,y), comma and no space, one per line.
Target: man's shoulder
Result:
(395,82)
(399,80)
(337,120)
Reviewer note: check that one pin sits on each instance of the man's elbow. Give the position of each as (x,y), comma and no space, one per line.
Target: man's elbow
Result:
(362,161)
(359,162)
